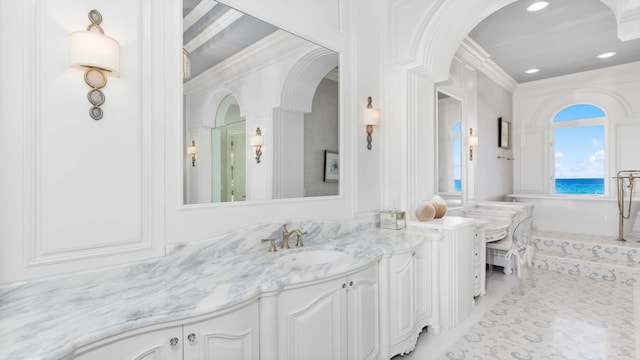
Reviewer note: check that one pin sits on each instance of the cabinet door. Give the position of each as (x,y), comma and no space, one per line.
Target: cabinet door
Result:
(312,322)
(233,336)
(424,281)
(363,314)
(152,345)
(402,297)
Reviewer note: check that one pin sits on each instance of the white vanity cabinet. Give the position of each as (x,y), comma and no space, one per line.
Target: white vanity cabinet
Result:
(233,336)
(411,296)
(479,259)
(335,319)
(454,263)
(148,345)
(230,336)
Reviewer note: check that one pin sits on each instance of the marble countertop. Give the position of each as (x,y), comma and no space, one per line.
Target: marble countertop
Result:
(48,318)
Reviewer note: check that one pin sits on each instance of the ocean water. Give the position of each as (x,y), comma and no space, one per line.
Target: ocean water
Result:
(457,185)
(580,186)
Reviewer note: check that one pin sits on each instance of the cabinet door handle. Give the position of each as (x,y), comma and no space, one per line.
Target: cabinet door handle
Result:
(413,253)
(174,341)
(351,283)
(344,286)
(192,339)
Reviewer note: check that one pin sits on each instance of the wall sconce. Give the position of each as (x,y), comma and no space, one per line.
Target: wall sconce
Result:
(191,150)
(257,141)
(473,141)
(97,54)
(371,119)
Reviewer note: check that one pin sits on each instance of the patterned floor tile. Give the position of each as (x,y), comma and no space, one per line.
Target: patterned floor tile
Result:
(562,317)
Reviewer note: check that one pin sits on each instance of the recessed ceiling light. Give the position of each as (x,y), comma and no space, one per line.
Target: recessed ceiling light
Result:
(606,55)
(531,71)
(538,5)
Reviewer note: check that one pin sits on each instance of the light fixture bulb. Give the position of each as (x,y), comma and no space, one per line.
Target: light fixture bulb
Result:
(537,6)
(531,71)
(606,55)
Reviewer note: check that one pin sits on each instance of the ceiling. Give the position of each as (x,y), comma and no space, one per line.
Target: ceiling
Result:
(212,32)
(563,38)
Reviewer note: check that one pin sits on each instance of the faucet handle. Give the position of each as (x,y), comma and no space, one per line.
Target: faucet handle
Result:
(299,236)
(272,246)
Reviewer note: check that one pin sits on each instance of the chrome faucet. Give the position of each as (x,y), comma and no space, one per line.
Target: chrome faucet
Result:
(285,237)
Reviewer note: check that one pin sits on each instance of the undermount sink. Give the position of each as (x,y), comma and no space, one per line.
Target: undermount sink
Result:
(314,257)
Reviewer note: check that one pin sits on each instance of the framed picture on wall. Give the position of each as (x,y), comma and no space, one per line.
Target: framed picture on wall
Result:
(504,134)
(331,166)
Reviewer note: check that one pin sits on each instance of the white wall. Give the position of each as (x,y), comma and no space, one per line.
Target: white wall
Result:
(75,191)
(613,89)
(494,177)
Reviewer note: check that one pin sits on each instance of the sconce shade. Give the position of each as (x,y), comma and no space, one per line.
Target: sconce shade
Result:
(473,140)
(93,49)
(257,140)
(191,150)
(371,117)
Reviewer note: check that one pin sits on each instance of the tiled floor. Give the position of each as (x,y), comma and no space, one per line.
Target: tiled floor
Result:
(563,317)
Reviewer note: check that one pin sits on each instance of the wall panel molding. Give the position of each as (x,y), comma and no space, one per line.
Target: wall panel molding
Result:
(40,245)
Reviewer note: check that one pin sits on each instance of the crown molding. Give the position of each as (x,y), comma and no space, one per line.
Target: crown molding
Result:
(269,50)
(474,54)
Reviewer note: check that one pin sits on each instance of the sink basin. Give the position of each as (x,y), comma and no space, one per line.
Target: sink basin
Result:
(314,257)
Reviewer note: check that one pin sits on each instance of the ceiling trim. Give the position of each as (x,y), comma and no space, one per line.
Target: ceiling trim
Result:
(627,13)
(250,59)
(474,54)
(197,13)
(214,29)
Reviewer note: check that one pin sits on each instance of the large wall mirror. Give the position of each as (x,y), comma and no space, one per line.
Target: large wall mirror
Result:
(449,147)
(242,74)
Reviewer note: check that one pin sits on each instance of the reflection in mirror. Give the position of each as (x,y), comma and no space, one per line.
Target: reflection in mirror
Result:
(240,74)
(449,126)
(228,141)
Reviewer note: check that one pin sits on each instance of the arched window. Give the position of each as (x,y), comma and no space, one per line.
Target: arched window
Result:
(455,136)
(578,134)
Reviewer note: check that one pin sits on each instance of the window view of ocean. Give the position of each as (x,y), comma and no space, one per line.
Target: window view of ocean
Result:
(580,186)
(457,185)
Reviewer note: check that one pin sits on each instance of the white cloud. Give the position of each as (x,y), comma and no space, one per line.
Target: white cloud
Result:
(596,142)
(591,167)
(597,158)
(559,154)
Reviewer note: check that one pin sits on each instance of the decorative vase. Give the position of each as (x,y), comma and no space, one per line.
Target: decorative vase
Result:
(440,206)
(425,211)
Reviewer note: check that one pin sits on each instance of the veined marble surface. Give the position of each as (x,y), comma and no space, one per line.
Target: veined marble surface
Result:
(49,318)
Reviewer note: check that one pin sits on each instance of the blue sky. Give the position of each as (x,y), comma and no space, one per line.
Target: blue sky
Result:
(579,151)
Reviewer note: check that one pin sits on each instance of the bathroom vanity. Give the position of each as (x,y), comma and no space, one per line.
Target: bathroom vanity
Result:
(353,291)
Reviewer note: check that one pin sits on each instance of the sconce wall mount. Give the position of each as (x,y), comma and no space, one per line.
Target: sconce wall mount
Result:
(97,54)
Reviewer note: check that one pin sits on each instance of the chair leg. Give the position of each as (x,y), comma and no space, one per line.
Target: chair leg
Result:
(508,267)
